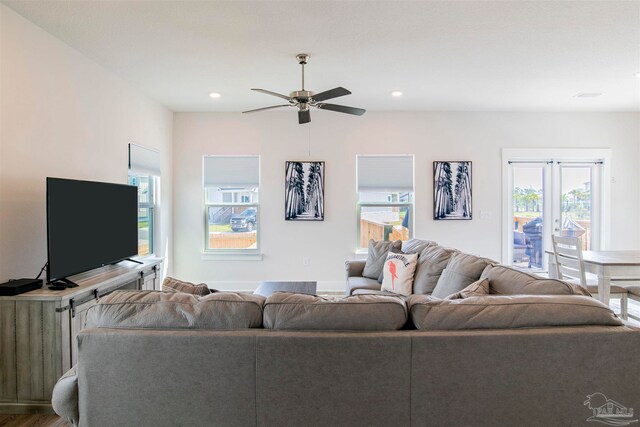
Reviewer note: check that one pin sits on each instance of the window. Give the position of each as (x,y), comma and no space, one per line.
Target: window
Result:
(144,173)
(231,190)
(385,198)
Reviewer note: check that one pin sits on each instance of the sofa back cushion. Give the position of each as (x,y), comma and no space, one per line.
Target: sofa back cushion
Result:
(355,313)
(161,310)
(462,270)
(415,246)
(509,281)
(432,261)
(508,312)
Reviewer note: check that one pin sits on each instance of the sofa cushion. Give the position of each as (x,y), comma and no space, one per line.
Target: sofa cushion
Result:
(354,283)
(377,253)
(356,313)
(508,312)
(160,310)
(398,272)
(462,270)
(373,292)
(478,288)
(432,261)
(415,246)
(509,281)
(174,285)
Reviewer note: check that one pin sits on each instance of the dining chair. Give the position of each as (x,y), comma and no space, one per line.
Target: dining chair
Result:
(634,294)
(567,252)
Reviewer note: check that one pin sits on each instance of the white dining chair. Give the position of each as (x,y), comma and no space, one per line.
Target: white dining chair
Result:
(570,267)
(634,294)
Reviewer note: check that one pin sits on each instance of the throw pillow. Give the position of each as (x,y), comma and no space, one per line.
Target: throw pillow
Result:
(376,257)
(393,250)
(398,273)
(462,270)
(476,289)
(174,285)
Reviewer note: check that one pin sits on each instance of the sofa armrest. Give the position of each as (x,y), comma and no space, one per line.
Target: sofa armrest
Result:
(65,397)
(354,268)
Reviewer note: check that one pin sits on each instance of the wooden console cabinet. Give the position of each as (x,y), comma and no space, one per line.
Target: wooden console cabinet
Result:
(38,331)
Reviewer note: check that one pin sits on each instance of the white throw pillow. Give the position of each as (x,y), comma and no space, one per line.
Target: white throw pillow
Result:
(398,273)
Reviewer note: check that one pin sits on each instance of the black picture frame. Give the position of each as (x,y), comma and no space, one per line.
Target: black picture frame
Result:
(304,190)
(452,190)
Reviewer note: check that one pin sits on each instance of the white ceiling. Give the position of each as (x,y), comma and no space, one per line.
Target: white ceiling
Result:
(444,55)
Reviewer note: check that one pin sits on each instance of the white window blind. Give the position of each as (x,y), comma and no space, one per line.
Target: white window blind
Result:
(144,161)
(385,173)
(231,171)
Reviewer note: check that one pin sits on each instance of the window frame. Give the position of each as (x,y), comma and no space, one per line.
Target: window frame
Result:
(409,205)
(240,253)
(150,204)
(554,158)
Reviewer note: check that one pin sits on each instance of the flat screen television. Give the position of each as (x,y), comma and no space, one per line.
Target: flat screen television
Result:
(89,224)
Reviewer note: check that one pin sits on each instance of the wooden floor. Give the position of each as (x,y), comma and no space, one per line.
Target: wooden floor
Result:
(32,420)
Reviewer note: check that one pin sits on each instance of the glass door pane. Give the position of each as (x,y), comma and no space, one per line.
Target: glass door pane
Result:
(528,216)
(575,203)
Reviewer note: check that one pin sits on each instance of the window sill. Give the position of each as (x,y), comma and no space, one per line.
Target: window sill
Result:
(230,256)
(360,253)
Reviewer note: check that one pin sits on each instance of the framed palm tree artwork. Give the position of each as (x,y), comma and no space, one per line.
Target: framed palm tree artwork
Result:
(452,190)
(304,191)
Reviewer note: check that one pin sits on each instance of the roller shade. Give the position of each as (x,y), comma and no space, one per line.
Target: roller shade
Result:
(385,173)
(144,160)
(231,171)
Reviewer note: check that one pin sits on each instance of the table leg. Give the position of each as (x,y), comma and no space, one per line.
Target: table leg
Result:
(604,284)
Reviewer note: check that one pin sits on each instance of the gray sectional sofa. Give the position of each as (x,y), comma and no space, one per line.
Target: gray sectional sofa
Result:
(532,352)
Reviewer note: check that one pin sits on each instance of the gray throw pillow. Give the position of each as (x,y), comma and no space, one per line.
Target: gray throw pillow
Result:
(174,285)
(376,256)
(462,270)
(478,288)
(431,263)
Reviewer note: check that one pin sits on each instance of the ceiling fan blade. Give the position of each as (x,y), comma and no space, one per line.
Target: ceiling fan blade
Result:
(342,109)
(268,92)
(266,108)
(304,116)
(331,93)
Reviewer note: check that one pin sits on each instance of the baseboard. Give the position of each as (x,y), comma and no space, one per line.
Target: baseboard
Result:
(250,286)
(25,408)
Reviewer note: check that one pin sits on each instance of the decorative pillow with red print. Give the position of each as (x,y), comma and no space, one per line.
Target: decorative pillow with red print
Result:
(398,273)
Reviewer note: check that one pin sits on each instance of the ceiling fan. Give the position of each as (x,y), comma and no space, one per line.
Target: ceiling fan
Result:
(303,99)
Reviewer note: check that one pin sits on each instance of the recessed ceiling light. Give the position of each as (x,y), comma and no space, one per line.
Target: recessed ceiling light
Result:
(396,93)
(638,74)
(588,95)
(214,95)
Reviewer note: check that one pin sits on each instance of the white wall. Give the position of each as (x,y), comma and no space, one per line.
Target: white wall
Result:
(63,115)
(337,138)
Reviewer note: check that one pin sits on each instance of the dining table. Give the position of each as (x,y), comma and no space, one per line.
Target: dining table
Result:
(608,266)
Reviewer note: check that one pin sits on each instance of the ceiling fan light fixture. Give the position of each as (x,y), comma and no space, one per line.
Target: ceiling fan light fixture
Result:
(305,99)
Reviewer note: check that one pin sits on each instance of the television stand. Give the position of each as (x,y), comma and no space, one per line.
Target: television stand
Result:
(38,331)
(64,282)
(129,259)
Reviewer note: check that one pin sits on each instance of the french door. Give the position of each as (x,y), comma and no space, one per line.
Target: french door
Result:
(545,196)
